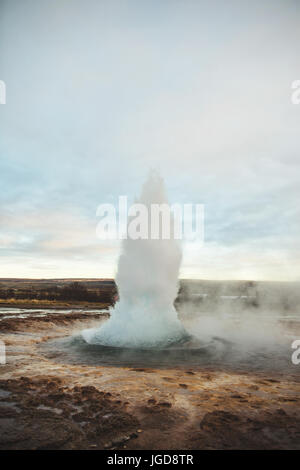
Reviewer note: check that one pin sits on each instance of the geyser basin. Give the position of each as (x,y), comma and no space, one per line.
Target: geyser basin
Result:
(214,352)
(187,352)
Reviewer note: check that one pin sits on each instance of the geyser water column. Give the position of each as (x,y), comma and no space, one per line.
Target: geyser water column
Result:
(147,281)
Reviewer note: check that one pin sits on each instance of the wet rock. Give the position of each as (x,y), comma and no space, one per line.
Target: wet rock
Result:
(165,404)
(217,418)
(37,425)
(183,385)
(151,401)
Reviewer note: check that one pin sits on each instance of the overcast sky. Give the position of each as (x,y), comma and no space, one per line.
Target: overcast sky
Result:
(99,92)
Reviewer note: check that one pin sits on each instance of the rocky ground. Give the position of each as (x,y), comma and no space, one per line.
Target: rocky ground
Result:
(49,405)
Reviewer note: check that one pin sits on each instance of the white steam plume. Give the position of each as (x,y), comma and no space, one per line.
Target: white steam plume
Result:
(147,281)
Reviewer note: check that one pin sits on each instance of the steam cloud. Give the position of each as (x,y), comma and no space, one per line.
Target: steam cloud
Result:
(147,280)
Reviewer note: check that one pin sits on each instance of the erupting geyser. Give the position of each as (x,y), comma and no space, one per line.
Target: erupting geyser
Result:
(147,280)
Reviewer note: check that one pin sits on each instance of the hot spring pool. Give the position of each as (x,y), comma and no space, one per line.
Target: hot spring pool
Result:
(217,352)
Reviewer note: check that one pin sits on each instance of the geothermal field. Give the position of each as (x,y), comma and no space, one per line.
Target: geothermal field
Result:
(158,364)
(228,383)
(149,230)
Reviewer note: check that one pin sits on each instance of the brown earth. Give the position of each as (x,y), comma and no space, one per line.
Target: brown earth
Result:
(52,304)
(49,405)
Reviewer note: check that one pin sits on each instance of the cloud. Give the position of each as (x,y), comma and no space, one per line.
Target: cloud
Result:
(99,92)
